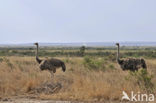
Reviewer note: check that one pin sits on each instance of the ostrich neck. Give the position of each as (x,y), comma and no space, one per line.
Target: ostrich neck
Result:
(37,52)
(118,58)
(37,59)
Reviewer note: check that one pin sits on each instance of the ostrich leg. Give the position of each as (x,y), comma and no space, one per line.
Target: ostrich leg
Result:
(52,74)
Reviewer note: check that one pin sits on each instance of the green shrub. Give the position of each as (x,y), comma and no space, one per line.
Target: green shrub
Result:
(143,79)
(1,59)
(111,66)
(93,63)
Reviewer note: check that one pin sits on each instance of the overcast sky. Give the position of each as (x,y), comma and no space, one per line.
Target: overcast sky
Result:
(27,21)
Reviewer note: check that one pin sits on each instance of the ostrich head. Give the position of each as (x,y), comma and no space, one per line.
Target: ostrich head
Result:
(117,44)
(35,43)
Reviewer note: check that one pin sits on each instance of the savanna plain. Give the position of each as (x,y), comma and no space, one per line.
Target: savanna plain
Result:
(92,74)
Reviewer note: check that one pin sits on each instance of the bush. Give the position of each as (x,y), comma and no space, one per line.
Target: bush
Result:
(93,63)
(143,79)
(82,50)
(1,59)
(111,66)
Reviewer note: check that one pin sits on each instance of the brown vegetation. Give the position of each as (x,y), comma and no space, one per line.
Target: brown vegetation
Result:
(21,76)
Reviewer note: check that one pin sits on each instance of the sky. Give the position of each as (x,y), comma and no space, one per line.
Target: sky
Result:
(63,21)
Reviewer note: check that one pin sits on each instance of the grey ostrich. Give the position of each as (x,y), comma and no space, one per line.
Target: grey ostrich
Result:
(49,64)
(132,64)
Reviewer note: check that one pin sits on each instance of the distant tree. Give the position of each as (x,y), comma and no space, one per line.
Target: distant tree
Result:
(82,50)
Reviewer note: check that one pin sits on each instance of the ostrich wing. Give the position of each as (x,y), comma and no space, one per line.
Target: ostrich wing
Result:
(57,63)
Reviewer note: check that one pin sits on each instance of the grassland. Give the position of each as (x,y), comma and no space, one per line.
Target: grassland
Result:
(93,77)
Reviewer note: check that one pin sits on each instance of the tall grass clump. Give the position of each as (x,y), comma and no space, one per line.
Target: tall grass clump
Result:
(143,79)
(16,81)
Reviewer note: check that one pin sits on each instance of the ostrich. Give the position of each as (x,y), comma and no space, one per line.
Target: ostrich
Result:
(49,64)
(132,64)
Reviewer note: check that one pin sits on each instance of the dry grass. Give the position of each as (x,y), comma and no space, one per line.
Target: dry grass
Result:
(20,75)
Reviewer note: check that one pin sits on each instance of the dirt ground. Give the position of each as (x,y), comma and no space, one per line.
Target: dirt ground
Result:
(26,100)
(32,101)
(49,101)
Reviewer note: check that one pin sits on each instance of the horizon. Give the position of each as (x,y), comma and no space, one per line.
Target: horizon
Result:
(82,42)
(78,44)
